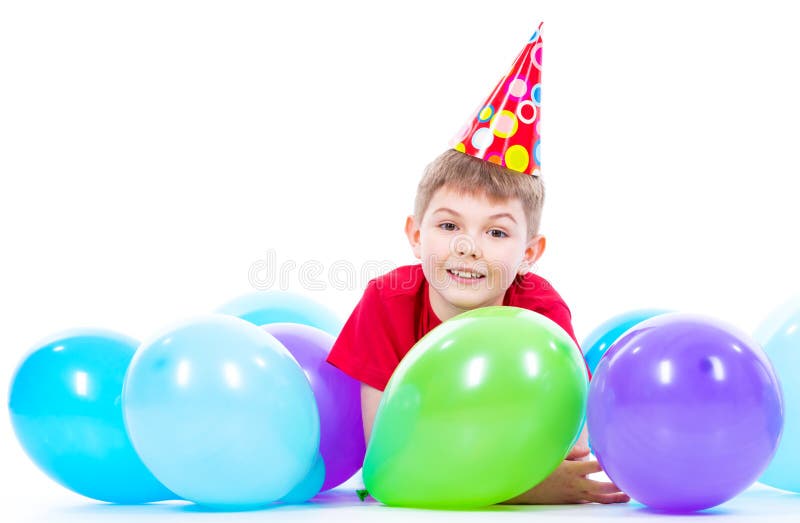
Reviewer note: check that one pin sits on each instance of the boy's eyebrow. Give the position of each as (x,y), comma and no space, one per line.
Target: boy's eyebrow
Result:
(492,217)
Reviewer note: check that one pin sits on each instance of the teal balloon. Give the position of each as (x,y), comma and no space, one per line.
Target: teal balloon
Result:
(221,413)
(779,334)
(66,412)
(603,336)
(263,307)
(310,485)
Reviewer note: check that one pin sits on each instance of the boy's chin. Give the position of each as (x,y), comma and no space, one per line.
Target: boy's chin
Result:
(467,299)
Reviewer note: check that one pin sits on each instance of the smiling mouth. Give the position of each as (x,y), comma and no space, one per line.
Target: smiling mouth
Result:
(465,275)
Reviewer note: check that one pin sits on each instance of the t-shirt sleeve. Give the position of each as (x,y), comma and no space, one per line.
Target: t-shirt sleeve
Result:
(561,314)
(365,349)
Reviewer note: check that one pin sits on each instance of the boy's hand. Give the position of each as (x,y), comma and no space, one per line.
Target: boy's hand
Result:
(568,484)
(578,453)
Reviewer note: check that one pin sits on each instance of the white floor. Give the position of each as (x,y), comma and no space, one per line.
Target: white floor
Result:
(51,503)
(28,495)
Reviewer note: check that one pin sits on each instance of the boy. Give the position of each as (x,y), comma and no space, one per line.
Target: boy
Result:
(475,229)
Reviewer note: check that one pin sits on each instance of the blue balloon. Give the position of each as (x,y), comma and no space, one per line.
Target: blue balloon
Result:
(779,334)
(221,413)
(66,412)
(602,337)
(308,486)
(263,307)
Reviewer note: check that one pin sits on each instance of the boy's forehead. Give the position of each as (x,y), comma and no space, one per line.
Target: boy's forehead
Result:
(472,204)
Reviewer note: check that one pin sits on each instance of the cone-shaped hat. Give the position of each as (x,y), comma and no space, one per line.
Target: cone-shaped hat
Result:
(505,130)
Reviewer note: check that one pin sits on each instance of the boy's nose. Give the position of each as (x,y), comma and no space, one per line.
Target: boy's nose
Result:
(464,245)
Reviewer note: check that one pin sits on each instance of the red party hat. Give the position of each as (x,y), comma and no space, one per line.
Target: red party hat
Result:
(505,129)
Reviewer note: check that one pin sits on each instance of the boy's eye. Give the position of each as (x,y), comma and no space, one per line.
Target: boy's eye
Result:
(495,233)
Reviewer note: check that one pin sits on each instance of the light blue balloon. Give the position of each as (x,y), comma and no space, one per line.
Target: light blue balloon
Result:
(65,408)
(221,413)
(308,486)
(260,308)
(778,319)
(602,337)
(780,336)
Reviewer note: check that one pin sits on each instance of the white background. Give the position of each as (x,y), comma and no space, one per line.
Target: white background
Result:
(151,152)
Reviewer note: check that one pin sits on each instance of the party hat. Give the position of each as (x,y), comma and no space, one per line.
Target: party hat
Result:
(505,128)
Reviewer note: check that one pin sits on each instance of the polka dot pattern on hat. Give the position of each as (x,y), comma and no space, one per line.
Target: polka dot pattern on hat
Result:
(505,129)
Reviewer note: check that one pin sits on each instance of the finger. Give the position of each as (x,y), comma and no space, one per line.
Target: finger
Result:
(599,487)
(586,467)
(577,452)
(619,497)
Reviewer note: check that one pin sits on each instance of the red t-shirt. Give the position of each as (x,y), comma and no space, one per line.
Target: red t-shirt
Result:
(395,312)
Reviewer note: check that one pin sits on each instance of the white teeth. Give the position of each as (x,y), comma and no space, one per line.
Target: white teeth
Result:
(465,274)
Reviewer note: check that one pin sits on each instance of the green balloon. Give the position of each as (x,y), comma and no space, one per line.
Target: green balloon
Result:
(481,409)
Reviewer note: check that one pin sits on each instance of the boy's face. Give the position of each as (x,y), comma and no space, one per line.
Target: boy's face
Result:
(475,235)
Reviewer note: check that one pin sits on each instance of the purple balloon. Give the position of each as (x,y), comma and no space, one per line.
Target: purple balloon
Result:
(685,412)
(338,400)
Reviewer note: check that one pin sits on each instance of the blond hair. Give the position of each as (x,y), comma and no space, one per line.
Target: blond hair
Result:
(466,174)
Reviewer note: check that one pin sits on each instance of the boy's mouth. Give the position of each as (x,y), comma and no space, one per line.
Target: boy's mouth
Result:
(464,275)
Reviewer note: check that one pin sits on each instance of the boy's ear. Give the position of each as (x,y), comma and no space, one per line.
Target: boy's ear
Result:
(533,251)
(412,232)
